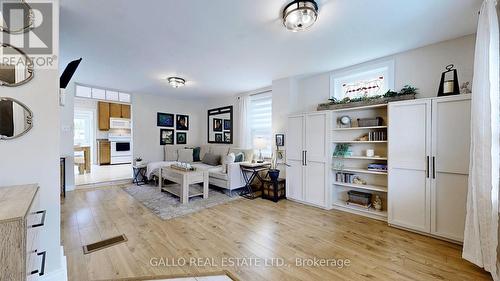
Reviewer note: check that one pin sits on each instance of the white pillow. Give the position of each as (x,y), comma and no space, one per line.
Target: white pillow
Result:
(185,155)
(170,153)
(226,160)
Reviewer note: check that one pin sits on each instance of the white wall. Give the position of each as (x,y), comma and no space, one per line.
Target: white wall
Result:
(420,67)
(146,135)
(34,157)
(66,138)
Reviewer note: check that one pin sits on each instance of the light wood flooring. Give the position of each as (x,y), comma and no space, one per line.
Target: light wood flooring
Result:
(256,229)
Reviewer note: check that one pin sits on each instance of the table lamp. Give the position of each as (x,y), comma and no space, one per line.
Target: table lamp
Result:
(260,143)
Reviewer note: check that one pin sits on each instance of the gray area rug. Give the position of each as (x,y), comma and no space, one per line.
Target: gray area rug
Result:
(167,206)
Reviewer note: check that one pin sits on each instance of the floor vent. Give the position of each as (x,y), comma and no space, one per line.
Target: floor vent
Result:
(87,249)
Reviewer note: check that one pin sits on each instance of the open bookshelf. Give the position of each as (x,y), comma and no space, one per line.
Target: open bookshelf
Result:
(351,171)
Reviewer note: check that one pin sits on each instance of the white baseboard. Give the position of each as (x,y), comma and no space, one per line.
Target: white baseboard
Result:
(60,274)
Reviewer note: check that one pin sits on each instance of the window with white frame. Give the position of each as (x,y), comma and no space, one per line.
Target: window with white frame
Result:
(372,79)
(259,120)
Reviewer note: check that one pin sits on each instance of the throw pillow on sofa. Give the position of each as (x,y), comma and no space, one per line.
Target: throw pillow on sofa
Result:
(211,159)
(185,155)
(196,153)
(227,160)
(171,153)
(239,157)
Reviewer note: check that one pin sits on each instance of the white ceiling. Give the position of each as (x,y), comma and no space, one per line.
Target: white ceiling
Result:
(224,47)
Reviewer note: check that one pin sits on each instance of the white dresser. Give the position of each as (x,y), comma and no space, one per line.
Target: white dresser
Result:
(21,220)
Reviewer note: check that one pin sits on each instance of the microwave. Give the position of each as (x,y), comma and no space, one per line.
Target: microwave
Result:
(119,123)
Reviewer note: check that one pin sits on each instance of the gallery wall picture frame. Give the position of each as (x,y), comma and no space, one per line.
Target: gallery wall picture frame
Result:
(181,138)
(166,136)
(227,137)
(164,120)
(280,140)
(217,126)
(218,138)
(227,125)
(220,121)
(182,122)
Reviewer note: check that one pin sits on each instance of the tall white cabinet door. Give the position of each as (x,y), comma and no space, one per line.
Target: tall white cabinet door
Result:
(408,151)
(295,157)
(316,156)
(450,152)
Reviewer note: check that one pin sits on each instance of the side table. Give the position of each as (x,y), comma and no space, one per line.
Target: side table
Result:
(140,174)
(250,172)
(274,190)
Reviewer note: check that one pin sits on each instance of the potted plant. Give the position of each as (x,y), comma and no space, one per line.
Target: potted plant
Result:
(138,161)
(274,173)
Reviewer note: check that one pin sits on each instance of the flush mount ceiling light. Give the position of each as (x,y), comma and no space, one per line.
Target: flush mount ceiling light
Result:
(176,82)
(299,15)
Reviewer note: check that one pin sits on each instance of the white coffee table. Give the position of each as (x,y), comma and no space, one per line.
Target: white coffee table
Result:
(184,179)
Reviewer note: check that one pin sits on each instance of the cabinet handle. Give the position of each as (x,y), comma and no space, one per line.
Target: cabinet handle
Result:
(42,223)
(305,158)
(42,268)
(428,164)
(433,167)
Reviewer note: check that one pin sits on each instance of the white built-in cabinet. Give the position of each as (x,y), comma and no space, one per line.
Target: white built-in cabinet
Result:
(309,157)
(428,148)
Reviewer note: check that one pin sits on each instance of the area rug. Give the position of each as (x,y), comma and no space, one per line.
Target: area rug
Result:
(167,206)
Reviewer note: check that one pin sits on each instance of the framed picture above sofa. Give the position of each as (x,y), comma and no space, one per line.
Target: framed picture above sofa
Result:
(220,125)
(166,136)
(181,137)
(182,122)
(164,119)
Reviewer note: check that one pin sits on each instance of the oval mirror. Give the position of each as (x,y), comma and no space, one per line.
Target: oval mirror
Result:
(16,119)
(16,67)
(23,17)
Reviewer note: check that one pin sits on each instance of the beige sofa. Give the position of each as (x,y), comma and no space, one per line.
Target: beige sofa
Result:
(230,179)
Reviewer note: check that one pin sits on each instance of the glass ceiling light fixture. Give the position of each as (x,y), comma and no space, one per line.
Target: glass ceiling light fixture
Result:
(176,82)
(299,15)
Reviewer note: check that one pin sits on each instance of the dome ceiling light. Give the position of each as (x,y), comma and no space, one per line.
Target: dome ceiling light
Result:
(176,82)
(299,15)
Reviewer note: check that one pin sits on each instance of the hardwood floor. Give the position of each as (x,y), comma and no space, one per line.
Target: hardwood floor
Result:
(258,229)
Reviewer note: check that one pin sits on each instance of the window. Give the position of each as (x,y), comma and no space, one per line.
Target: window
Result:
(260,120)
(367,81)
(83,131)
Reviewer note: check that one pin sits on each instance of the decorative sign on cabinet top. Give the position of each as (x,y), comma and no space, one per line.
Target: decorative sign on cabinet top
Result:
(101,94)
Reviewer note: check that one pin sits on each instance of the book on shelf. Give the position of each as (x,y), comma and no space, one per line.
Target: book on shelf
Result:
(377,167)
(377,136)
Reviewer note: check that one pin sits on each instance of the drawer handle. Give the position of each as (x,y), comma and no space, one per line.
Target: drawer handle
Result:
(42,223)
(42,269)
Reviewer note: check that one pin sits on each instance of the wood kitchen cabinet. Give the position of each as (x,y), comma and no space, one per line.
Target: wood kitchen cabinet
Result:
(126,111)
(108,110)
(103,115)
(104,152)
(115,110)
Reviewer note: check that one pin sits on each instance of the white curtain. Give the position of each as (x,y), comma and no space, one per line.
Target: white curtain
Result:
(481,224)
(244,130)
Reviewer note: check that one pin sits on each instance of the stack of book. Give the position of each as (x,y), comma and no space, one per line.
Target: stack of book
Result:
(377,167)
(344,177)
(377,136)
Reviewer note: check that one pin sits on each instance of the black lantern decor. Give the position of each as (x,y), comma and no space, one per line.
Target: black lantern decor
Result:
(449,85)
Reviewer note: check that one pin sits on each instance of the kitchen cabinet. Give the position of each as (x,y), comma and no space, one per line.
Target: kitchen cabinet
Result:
(108,110)
(115,110)
(103,115)
(104,152)
(126,111)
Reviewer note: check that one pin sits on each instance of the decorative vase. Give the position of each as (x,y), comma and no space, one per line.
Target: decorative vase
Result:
(274,174)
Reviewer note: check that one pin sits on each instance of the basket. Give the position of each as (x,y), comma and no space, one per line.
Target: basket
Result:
(359,198)
(370,122)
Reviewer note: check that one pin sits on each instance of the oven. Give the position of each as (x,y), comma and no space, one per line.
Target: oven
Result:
(121,152)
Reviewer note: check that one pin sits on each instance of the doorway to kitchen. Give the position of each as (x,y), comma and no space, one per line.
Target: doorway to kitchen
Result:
(102,140)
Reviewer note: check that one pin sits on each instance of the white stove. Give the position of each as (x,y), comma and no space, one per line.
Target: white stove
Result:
(121,148)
